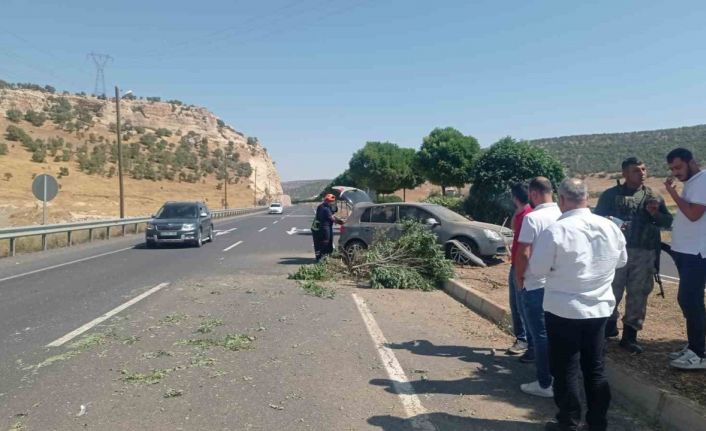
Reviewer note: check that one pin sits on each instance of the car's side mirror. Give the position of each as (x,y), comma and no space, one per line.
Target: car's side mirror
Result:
(431,222)
(204,214)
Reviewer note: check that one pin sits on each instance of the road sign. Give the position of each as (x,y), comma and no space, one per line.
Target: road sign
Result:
(45,188)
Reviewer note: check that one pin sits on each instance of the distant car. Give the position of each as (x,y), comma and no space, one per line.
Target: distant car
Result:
(367,221)
(275,208)
(180,222)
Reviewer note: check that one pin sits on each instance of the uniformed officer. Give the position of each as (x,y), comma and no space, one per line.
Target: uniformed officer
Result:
(641,213)
(322,227)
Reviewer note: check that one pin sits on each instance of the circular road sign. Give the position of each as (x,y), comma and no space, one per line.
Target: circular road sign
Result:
(45,187)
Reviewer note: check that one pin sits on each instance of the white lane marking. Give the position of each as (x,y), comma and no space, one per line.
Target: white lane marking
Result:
(264,228)
(24,274)
(73,334)
(230,247)
(410,401)
(227,231)
(275,222)
(669,277)
(292,231)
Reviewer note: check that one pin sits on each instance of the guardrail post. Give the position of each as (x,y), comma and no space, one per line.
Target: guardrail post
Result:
(90,235)
(68,238)
(12,246)
(124,226)
(44,242)
(107,233)
(137,227)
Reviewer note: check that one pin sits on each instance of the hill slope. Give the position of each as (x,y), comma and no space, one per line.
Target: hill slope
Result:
(304,189)
(604,152)
(171,151)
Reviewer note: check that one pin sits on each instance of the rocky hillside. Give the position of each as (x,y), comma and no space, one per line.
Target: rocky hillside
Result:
(171,151)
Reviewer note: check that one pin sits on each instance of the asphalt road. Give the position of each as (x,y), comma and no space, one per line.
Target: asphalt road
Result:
(365,360)
(46,295)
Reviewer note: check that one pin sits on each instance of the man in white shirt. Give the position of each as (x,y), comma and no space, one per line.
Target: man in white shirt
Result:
(689,253)
(531,285)
(578,256)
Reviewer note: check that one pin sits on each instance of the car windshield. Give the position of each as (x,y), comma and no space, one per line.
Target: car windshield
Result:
(276,205)
(446,214)
(178,211)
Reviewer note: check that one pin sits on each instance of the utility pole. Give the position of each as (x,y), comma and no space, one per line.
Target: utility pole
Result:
(255,189)
(120,152)
(225,183)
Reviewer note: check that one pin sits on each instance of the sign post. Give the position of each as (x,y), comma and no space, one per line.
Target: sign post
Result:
(45,188)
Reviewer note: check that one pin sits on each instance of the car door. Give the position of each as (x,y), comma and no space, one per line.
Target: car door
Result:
(415,213)
(204,220)
(383,221)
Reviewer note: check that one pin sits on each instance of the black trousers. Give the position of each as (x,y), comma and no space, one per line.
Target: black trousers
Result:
(323,241)
(577,345)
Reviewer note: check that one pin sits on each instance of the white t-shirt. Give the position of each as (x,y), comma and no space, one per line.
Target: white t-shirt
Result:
(688,236)
(578,254)
(533,225)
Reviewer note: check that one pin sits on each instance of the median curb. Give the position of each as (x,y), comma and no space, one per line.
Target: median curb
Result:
(669,410)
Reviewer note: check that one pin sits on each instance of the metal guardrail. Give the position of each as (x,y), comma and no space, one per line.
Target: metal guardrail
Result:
(13,233)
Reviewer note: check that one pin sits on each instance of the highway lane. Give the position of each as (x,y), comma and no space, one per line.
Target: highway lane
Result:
(40,307)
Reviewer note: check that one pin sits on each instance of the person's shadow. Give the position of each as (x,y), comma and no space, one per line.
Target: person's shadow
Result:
(447,422)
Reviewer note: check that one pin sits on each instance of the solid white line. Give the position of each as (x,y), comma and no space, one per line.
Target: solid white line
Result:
(73,334)
(24,274)
(232,246)
(262,229)
(410,401)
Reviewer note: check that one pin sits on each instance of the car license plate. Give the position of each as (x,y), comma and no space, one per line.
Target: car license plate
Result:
(169,233)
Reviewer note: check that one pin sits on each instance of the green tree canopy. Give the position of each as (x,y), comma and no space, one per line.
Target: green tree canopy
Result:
(446,157)
(506,162)
(381,166)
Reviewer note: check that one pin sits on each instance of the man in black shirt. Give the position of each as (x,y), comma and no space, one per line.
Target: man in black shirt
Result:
(322,227)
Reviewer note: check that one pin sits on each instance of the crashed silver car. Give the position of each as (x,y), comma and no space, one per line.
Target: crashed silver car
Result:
(367,221)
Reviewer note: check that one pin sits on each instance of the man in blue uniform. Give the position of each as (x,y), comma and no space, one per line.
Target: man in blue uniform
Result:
(322,227)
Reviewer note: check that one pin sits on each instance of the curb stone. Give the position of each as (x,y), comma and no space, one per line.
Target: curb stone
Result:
(671,411)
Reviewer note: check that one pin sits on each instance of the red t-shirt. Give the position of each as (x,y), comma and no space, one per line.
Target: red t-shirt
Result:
(516,225)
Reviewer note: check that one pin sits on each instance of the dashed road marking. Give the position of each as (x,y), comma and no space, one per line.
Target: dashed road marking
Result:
(264,228)
(230,247)
(76,332)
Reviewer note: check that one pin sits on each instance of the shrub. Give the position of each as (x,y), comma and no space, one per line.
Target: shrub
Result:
(454,203)
(220,123)
(63,172)
(35,118)
(162,132)
(39,155)
(3,149)
(14,115)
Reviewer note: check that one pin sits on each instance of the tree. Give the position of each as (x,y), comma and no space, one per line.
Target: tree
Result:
(36,118)
(8,176)
(381,166)
(412,176)
(446,157)
(506,162)
(14,115)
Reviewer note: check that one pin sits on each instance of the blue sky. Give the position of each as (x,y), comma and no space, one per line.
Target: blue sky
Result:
(315,79)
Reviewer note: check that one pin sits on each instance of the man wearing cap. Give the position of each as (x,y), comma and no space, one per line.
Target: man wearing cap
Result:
(641,213)
(322,227)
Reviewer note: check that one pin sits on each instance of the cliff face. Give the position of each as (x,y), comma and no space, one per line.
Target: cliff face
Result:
(91,126)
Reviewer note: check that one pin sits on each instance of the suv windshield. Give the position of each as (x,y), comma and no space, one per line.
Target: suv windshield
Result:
(178,211)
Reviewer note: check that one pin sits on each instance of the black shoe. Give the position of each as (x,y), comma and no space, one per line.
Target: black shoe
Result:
(629,341)
(527,357)
(556,426)
(611,329)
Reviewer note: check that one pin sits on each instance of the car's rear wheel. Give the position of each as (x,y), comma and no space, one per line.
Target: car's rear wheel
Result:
(354,248)
(457,255)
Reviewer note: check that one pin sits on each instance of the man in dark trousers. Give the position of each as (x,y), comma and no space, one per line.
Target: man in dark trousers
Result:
(322,227)
(578,256)
(641,213)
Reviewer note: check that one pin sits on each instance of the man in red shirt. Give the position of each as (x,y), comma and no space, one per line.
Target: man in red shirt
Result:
(522,346)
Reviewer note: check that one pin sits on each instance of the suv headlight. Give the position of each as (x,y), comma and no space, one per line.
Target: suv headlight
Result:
(150,226)
(491,234)
(188,226)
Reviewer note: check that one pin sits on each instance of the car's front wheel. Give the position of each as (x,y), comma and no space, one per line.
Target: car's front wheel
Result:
(211,235)
(354,248)
(458,256)
(199,239)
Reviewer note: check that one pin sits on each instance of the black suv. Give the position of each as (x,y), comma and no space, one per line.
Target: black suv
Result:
(180,222)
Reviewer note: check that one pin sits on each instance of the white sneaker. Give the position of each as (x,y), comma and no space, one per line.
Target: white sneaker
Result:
(679,353)
(518,348)
(536,390)
(689,361)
